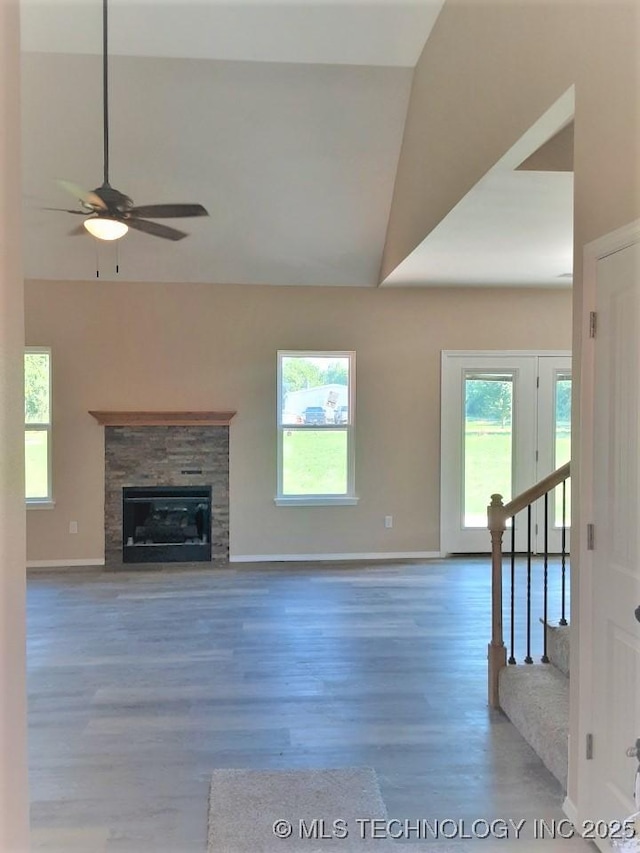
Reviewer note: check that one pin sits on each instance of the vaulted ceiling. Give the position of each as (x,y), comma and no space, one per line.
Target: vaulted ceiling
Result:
(285,120)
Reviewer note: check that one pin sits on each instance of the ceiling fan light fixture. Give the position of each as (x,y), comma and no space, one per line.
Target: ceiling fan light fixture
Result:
(105,228)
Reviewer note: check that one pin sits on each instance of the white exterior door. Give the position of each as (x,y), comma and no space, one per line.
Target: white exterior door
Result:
(505,425)
(615,565)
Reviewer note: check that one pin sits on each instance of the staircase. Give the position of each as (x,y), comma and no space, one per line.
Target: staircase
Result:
(535,696)
(536,700)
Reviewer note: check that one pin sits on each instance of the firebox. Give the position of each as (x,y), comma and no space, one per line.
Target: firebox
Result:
(166,524)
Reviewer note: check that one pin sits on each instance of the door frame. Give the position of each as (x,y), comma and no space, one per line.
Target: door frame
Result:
(581,685)
(449,443)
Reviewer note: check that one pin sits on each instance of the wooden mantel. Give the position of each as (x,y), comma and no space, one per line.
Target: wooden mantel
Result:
(163,418)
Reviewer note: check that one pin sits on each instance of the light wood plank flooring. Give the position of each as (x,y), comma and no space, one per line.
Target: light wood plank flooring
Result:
(142,682)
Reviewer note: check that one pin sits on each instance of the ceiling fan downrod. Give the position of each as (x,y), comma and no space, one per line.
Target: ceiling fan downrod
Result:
(105,90)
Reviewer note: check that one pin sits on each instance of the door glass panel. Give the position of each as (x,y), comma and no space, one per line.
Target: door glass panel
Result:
(562,425)
(488,443)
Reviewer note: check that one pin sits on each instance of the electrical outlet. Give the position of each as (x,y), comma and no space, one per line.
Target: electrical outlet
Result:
(73,527)
(388,521)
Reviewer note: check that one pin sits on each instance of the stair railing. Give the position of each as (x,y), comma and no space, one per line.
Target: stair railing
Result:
(498,515)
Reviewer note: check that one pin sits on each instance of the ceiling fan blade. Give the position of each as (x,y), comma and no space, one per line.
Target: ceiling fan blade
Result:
(87,197)
(156,229)
(65,210)
(168,211)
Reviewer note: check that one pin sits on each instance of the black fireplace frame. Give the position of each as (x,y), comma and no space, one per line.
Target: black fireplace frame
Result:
(164,552)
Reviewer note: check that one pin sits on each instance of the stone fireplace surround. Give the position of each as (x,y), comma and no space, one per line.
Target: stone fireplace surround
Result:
(165,449)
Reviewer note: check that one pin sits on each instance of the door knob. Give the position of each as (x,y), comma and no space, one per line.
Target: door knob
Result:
(634,751)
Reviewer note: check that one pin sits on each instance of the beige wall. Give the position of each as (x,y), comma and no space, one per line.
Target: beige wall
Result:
(14,798)
(143,346)
(490,69)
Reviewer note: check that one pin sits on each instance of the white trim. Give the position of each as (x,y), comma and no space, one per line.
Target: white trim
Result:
(506,353)
(313,500)
(582,686)
(571,811)
(262,558)
(34,503)
(616,241)
(348,499)
(568,807)
(60,564)
(307,558)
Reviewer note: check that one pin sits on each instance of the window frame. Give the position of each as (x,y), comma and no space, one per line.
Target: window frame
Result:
(348,498)
(41,502)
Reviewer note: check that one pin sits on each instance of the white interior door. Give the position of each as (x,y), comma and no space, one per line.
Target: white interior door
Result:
(496,437)
(616,557)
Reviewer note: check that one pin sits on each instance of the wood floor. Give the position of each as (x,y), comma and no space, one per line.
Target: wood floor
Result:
(142,682)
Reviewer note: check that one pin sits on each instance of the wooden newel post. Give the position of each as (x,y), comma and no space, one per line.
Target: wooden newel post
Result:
(497,652)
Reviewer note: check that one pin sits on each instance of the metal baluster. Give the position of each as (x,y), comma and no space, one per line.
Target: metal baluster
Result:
(545,657)
(528,658)
(563,619)
(512,658)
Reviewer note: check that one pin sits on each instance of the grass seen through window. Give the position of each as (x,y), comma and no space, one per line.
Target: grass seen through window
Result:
(36,463)
(37,419)
(314,462)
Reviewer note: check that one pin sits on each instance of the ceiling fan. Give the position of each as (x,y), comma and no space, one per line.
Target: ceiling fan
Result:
(110,213)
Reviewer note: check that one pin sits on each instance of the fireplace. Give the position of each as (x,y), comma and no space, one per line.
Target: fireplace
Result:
(165,453)
(166,524)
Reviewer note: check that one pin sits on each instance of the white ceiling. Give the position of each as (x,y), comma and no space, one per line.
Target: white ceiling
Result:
(333,32)
(514,228)
(285,120)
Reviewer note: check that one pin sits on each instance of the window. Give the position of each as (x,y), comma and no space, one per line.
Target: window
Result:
(316,394)
(37,425)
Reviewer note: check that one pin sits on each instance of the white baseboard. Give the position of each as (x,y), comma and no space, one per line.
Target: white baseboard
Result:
(569,808)
(307,558)
(261,558)
(571,811)
(64,564)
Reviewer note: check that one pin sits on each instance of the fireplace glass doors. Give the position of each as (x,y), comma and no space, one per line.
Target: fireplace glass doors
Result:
(166,524)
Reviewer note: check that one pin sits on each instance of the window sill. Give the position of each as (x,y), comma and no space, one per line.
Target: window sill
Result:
(317,500)
(44,504)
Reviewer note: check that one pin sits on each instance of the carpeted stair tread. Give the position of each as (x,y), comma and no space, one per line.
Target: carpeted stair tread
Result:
(558,646)
(536,700)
